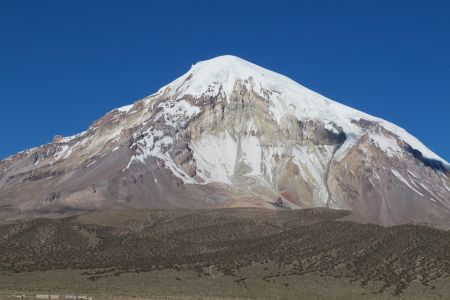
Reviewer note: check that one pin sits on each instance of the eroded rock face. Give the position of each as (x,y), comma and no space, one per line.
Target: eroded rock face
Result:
(228,134)
(240,143)
(387,190)
(316,132)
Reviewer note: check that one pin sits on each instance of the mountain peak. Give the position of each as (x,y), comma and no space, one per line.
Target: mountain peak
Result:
(226,62)
(233,66)
(222,72)
(225,59)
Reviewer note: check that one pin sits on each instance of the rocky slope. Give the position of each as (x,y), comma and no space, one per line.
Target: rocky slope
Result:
(229,133)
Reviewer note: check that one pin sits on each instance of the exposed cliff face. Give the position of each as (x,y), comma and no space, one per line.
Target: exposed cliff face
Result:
(229,133)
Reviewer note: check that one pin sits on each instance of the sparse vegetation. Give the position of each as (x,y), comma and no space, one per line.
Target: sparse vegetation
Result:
(249,249)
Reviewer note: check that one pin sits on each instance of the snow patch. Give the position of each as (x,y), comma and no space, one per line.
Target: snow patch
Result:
(412,174)
(402,179)
(215,156)
(125,109)
(176,112)
(154,146)
(91,163)
(313,166)
(251,154)
(387,144)
(445,184)
(67,139)
(426,189)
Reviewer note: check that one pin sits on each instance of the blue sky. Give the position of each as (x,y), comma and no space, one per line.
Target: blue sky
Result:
(63,64)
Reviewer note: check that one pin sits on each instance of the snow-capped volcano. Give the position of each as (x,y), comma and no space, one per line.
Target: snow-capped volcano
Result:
(230,133)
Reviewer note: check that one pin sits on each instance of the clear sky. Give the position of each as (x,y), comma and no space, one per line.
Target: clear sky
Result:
(63,64)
